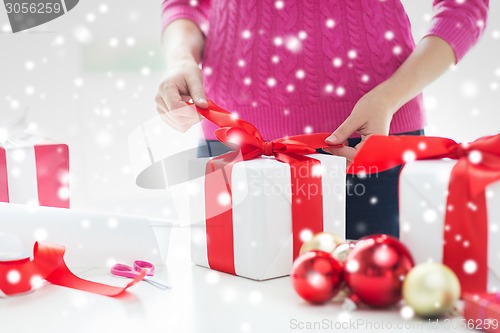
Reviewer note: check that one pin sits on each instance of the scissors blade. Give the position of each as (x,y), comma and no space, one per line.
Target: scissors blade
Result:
(157,282)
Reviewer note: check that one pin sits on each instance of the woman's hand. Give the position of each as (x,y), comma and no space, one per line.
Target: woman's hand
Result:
(183,82)
(372,114)
(183,42)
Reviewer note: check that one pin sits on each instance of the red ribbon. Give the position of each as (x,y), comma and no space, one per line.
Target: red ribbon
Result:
(307,211)
(466,215)
(48,263)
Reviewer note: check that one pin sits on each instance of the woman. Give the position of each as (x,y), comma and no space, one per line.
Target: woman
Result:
(290,67)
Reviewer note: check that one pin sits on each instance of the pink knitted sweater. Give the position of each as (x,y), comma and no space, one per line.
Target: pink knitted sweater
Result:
(299,66)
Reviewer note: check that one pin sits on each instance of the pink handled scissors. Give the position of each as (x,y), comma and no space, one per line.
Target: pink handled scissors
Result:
(139,265)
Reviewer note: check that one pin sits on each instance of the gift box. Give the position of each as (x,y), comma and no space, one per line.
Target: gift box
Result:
(92,239)
(423,194)
(259,211)
(34,173)
(482,312)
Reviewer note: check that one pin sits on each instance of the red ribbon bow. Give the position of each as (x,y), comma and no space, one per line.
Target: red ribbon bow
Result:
(307,211)
(478,166)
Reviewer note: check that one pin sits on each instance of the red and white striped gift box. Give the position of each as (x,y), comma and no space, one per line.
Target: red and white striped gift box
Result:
(35,174)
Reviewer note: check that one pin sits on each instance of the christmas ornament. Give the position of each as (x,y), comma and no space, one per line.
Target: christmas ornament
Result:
(375,268)
(322,241)
(341,251)
(316,276)
(431,289)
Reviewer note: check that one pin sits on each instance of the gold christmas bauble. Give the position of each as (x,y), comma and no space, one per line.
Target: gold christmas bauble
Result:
(341,251)
(431,289)
(323,241)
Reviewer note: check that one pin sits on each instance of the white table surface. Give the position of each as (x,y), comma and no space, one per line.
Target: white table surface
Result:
(201,301)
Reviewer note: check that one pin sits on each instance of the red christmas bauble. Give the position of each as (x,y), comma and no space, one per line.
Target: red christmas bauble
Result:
(316,276)
(375,269)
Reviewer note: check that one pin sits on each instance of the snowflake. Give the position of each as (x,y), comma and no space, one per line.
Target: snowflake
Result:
(85,224)
(470,266)
(352,54)
(365,78)
(246,34)
(13,276)
(36,281)
(255,297)
(245,327)
(305,235)
(193,3)
(469,89)
(373,200)
(271,82)
(90,17)
(352,266)
(495,34)
(329,88)
(224,199)
(302,35)
(389,35)
(78,82)
(82,34)
(113,42)
(29,65)
(279,4)
(14,104)
(300,74)
(130,41)
(40,234)
(212,277)
(475,157)
(145,71)
(29,90)
(278,41)
(241,63)
(275,59)
(247,81)
(337,62)
(409,156)
(396,50)
(290,88)
(340,91)
(422,146)
(494,86)
(63,193)
(112,223)
(293,44)
(207,70)
(120,84)
(103,8)
(308,129)
(330,23)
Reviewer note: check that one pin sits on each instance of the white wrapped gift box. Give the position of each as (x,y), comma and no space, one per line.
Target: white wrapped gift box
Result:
(423,191)
(262,213)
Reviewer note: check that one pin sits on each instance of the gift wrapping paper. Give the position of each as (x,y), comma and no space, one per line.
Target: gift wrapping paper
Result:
(262,213)
(482,311)
(423,192)
(35,174)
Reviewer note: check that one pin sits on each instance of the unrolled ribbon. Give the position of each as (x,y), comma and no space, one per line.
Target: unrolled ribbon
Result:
(307,211)
(20,276)
(478,166)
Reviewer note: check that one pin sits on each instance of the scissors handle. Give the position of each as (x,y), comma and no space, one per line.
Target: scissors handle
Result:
(139,265)
(157,282)
(123,270)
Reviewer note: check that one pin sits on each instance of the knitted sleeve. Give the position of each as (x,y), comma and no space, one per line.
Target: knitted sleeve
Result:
(194,10)
(459,22)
